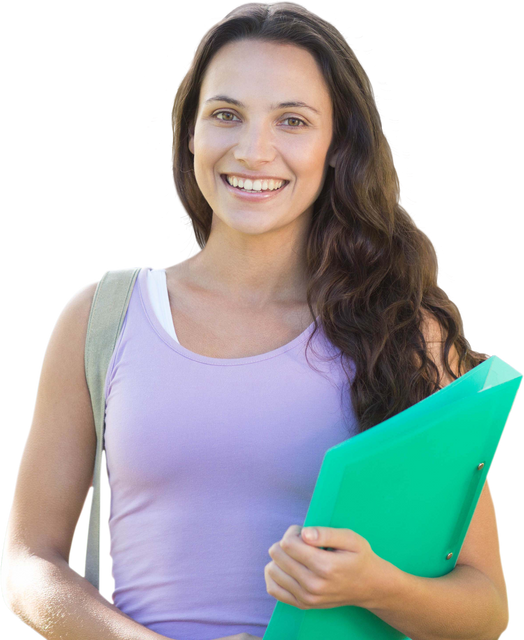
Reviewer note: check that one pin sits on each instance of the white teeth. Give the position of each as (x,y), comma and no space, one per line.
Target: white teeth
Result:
(257,185)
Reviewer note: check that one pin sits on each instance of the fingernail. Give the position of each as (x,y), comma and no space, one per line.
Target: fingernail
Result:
(311,533)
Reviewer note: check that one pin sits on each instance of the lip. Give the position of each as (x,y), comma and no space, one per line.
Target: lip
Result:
(253,197)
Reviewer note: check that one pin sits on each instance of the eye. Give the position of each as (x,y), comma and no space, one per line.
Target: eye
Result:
(229,113)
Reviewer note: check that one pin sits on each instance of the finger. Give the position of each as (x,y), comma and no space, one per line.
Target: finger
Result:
(275,588)
(296,569)
(299,557)
(293,531)
(283,578)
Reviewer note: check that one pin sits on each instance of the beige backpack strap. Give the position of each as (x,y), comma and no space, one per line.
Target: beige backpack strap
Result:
(107,315)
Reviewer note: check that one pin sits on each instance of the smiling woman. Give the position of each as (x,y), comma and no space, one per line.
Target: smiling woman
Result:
(215,434)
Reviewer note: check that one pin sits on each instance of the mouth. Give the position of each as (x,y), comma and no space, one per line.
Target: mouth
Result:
(253,195)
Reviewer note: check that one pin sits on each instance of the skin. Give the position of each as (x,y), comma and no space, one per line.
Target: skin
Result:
(252,270)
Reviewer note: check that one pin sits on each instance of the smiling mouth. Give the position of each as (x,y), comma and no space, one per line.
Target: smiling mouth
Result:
(242,190)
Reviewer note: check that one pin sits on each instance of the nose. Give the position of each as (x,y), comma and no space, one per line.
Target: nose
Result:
(256,145)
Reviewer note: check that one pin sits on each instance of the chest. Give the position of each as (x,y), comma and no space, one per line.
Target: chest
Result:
(211,328)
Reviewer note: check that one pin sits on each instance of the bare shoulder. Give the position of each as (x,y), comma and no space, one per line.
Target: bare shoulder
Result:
(78,306)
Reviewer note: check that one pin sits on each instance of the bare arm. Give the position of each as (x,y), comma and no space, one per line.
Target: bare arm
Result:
(56,472)
(59,603)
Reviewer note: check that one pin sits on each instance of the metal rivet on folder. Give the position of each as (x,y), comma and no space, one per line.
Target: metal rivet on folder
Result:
(480,465)
(449,556)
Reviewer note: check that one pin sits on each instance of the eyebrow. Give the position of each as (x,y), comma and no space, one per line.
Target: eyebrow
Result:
(281,105)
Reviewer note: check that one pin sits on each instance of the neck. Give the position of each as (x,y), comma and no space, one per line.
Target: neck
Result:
(251,280)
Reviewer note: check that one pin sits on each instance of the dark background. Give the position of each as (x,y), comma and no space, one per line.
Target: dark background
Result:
(79,207)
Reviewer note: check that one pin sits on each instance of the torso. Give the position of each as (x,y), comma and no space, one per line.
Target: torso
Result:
(215,328)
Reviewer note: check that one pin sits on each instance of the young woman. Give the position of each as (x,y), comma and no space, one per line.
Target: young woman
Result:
(311,313)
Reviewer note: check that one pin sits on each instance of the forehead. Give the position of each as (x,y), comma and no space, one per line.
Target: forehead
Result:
(261,74)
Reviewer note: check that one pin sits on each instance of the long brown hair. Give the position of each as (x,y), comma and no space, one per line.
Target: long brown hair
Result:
(371,272)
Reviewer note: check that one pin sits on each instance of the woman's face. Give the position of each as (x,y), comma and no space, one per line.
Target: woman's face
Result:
(259,137)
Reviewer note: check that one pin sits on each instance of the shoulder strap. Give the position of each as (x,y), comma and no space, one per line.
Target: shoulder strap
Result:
(108,311)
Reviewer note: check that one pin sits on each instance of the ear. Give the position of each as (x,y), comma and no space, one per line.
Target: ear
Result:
(333,159)
(191,143)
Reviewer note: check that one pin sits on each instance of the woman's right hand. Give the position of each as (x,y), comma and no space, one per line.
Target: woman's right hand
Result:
(240,636)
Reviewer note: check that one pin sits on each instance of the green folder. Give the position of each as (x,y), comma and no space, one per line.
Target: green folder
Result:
(410,486)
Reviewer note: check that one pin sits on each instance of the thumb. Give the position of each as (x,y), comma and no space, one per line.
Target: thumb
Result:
(331,537)
(310,534)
